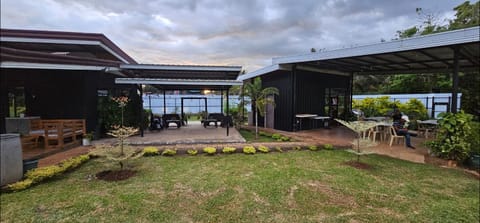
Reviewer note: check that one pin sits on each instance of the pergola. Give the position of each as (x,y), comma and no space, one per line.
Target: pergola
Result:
(182,77)
(447,52)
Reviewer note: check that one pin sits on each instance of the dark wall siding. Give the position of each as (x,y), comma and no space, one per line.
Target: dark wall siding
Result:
(57,94)
(283,110)
(311,90)
(310,94)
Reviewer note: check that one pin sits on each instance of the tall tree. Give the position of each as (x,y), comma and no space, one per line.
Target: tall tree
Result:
(259,97)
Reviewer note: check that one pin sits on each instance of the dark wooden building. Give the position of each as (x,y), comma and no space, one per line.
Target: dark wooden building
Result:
(305,91)
(57,75)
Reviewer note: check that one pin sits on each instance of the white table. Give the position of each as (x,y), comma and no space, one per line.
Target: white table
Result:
(429,122)
(376,119)
(325,120)
(299,118)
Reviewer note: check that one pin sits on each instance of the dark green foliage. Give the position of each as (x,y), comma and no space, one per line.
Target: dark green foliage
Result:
(452,141)
(109,113)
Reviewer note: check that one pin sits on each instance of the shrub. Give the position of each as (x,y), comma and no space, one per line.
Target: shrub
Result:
(40,174)
(192,152)
(262,133)
(229,150)
(279,149)
(20,185)
(150,151)
(249,150)
(209,150)
(284,138)
(263,149)
(313,147)
(169,152)
(453,136)
(276,136)
(328,146)
(298,148)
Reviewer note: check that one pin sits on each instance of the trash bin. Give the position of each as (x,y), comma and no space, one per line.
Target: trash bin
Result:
(11,169)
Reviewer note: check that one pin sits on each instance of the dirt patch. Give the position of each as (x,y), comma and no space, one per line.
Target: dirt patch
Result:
(334,197)
(358,165)
(115,175)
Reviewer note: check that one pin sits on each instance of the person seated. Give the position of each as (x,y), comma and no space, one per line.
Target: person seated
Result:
(399,126)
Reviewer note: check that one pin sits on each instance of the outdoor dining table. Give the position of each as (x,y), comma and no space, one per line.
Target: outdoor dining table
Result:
(429,122)
(300,117)
(376,119)
(324,119)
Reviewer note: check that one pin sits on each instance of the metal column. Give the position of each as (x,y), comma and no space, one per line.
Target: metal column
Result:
(455,80)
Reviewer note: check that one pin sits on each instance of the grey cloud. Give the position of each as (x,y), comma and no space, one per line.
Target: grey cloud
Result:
(248,32)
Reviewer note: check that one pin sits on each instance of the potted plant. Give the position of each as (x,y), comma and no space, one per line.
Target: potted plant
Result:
(87,139)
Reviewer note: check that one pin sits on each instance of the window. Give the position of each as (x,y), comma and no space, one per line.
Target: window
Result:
(16,102)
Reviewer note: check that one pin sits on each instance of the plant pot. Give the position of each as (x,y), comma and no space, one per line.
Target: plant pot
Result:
(452,163)
(29,165)
(86,142)
(475,161)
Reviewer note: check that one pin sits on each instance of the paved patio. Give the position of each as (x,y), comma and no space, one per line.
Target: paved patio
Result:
(193,133)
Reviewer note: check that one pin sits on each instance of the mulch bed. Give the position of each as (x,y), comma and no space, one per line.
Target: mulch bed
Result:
(358,165)
(115,175)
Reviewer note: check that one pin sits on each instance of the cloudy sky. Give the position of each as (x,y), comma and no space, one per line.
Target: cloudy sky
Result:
(224,32)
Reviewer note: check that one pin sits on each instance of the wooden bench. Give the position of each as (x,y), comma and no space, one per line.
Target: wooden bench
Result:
(58,133)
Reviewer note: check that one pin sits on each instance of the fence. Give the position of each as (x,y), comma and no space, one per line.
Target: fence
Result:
(191,103)
(435,103)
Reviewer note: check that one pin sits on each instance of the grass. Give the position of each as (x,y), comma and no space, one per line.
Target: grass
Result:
(277,187)
(250,136)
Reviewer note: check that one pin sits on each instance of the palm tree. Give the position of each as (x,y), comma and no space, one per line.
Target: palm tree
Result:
(259,97)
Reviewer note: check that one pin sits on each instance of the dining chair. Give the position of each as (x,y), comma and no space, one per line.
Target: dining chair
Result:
(422,129)
(394,136)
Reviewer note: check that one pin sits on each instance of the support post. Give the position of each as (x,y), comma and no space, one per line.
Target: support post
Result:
(221,101)
(182,115)
(294,94)
(228,114)
(164,103)
(455,80)
(142,113)
(206,110)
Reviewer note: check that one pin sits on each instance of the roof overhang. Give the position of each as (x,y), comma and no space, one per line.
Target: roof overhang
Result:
(181,84)
(22,65)
(70,42)
(181,77)
(181,71)
(433,53)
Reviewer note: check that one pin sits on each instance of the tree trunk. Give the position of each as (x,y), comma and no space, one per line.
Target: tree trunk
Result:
(358,148)
(256,123)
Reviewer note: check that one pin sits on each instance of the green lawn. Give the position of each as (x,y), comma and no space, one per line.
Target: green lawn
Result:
(277,187)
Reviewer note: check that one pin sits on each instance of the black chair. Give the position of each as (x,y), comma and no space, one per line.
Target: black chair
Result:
(213,118)
(172,118)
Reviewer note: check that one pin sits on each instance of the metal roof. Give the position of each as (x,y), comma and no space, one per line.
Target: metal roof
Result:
(422,54)
(74,43)
(164,71)
(181,77)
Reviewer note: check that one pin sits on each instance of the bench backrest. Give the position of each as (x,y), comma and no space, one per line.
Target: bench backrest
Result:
(217,116)
(171,117)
